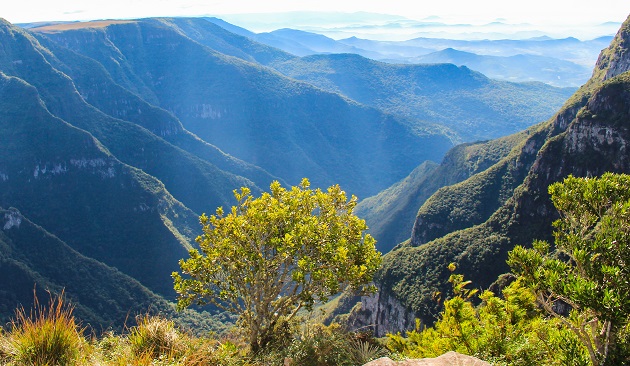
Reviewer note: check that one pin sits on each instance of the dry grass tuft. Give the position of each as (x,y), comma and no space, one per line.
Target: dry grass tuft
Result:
(47,335)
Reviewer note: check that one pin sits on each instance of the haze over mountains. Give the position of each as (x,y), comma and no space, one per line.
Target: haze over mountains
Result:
(379,26)
(559,61)
(116,135)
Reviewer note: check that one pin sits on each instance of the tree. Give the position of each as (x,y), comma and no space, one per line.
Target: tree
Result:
(585,281)
(268,257)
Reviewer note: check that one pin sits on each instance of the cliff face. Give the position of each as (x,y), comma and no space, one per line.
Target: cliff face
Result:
(615,60)
(588,137)
(382,313)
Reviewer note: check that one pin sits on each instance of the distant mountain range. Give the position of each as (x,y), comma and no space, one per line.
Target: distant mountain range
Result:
(463,100)
(521,67)
(116,135)
(340,25)
(557,61)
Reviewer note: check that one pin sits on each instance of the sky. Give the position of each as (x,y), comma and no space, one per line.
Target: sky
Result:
(577,13)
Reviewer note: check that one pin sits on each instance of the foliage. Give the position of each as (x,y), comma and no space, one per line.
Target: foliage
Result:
(585,281)
(47,335)
(503,331)
(319,345)
(270,256)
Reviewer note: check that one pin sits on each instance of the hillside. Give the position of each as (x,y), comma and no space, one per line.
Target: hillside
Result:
(517,68)
(586,138)
(391,214)
(291,129)
(475,107)
(65,180)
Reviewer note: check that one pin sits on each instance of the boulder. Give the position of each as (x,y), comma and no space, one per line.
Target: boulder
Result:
(447,359)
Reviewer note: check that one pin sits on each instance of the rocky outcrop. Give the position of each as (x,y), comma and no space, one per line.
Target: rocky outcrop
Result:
(616,60)
(382,313)
(12,219)
(447,359)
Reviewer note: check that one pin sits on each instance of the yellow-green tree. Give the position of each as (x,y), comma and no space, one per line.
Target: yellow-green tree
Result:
(585,281)
(270,256)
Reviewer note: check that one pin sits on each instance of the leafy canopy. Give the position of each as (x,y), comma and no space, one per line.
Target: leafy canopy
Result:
(270,256)
(585,282)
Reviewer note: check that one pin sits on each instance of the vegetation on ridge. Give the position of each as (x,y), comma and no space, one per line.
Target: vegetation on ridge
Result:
(582,286)
(588,269)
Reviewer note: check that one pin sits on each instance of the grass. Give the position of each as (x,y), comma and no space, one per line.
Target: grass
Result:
(157,338)
(50,335)
(46,335)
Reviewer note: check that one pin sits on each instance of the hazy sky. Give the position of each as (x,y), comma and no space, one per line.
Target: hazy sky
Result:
(469,11)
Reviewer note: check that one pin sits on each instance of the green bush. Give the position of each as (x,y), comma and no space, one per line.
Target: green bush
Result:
(507,330)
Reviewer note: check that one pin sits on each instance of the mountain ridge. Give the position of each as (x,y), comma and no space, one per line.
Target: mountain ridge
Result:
(433,93)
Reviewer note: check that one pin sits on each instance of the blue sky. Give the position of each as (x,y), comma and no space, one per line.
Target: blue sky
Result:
(557,18)
(530,11)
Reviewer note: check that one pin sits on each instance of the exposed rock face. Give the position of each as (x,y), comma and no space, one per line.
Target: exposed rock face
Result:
(617,60)
(12,219)
(447,359)
(382,313)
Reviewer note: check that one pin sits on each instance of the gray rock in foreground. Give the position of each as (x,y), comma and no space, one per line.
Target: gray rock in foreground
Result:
(447,359)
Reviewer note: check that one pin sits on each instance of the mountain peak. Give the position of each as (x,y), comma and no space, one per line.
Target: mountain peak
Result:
(615,59)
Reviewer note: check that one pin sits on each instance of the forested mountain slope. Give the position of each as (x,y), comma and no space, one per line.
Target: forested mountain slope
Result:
(586,138)
(289,128)
(475,107)
(391,214)
(65,180)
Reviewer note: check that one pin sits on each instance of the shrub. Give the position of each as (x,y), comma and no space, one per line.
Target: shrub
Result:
(269,257)
(503,331)
(319,345)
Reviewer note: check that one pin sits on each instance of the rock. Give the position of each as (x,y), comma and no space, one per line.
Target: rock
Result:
(382,313)
(447,359)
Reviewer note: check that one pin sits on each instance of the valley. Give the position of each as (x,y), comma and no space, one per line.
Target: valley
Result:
(117,135)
